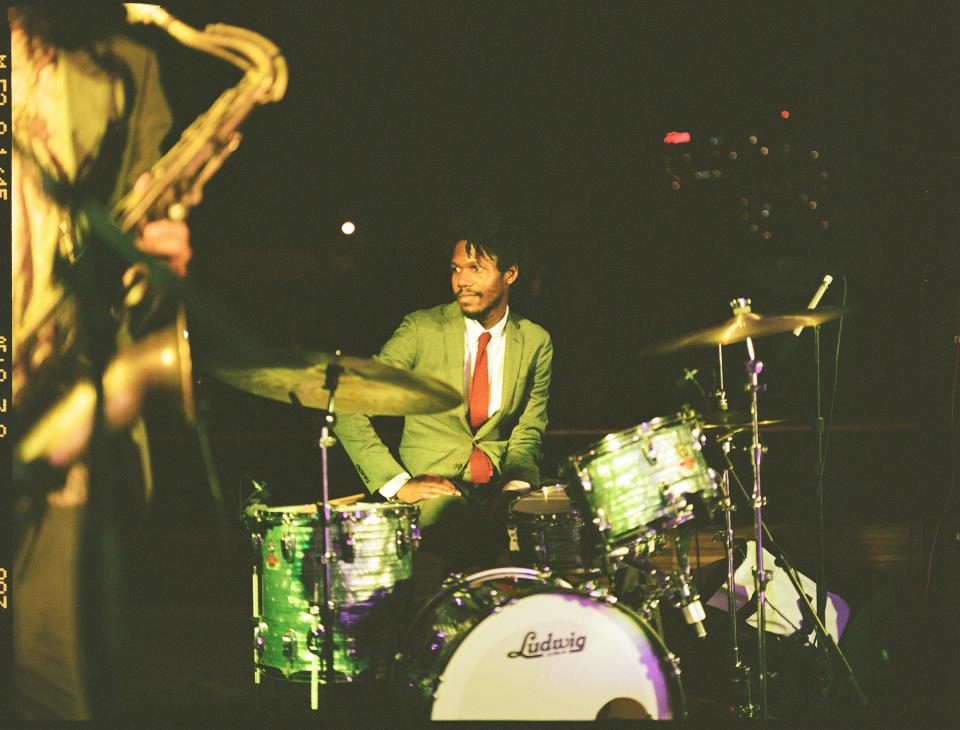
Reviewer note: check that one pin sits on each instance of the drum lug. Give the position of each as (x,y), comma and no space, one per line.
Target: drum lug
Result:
(674,661)
(315,639)
(347,553)
(288,546)
(415,536)
(256,542)
(437,642)
(601,520)
(259,642)
(403,544)
(452,579)
(290,645)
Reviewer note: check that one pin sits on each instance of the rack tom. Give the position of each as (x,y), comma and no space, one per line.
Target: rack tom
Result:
(637,484)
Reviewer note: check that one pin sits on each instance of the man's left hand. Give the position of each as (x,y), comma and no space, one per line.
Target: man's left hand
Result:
(166,239)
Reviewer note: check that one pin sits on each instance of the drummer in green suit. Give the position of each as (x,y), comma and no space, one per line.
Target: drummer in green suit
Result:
(462,467)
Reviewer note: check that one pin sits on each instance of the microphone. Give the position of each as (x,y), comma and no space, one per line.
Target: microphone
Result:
(817,296)
(685,597)
(687,376)
(690,376)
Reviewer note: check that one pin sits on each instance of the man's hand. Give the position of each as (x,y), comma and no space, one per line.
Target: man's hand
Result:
(426,486)
(165,239)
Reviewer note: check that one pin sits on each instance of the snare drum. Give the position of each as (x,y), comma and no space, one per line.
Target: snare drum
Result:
(545,531)
(635,483)
(515,644)
(371,586)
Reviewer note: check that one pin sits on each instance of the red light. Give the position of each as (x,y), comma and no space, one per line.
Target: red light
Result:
(676,138)
(785,113)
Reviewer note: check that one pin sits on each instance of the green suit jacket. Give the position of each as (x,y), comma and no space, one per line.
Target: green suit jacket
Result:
(430,341)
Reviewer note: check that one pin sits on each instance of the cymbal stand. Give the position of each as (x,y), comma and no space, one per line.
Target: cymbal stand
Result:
(754,368)
(321,607)
(826,642)
(740,672)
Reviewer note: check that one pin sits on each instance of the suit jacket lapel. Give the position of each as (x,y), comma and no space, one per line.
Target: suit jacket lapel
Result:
(453,333)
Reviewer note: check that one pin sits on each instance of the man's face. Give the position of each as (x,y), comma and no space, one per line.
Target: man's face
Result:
(482,290)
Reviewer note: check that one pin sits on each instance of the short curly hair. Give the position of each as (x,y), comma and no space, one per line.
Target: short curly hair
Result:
(489,233)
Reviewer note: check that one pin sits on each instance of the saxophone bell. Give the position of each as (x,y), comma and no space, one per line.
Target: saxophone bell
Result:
(159,363)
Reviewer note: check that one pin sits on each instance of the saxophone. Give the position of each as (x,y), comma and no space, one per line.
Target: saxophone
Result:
(161,361)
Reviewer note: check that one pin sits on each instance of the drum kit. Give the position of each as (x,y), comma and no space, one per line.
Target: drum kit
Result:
(558,636)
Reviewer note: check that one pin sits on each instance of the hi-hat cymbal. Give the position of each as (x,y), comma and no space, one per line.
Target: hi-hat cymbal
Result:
(749,324)
(365,386)
(733,421)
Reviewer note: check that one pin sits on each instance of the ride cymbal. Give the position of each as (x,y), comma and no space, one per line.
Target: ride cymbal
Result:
(749,324)
(365,385)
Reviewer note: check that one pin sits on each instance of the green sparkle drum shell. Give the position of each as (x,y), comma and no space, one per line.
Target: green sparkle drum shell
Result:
(371,587)
(636,482)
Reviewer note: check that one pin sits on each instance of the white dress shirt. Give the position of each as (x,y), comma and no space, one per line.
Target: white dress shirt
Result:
(495,352)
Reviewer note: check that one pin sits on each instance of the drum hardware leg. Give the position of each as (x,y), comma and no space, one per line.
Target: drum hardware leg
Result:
(806,608)
(740,672)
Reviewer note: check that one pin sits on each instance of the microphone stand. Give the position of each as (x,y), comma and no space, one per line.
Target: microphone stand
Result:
(818,428)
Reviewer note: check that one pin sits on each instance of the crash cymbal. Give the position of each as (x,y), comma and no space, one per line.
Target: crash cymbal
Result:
(749,324)
(365,386)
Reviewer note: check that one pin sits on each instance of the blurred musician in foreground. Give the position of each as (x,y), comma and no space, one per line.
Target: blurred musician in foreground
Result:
(89,117)
(461,467)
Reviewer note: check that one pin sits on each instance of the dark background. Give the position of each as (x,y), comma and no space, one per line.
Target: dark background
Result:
(399,114)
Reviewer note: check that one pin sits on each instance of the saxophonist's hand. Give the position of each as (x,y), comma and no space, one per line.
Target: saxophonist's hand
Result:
(165,239)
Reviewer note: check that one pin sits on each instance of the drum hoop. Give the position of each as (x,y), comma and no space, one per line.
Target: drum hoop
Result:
(295,515)
(613,442)
(533,497)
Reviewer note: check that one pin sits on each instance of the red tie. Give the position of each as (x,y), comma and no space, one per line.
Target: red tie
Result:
(481,469)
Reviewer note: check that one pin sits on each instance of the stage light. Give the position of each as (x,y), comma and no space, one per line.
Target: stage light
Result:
(815,154)
(348,228)
(785,113)
(764,150)
(676,138)
(752,139)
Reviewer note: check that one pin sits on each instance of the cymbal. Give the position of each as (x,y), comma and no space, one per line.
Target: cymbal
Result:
(733,420)
(365,386)
(749,324)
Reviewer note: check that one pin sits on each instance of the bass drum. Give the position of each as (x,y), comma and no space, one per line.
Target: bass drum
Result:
(516,644)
